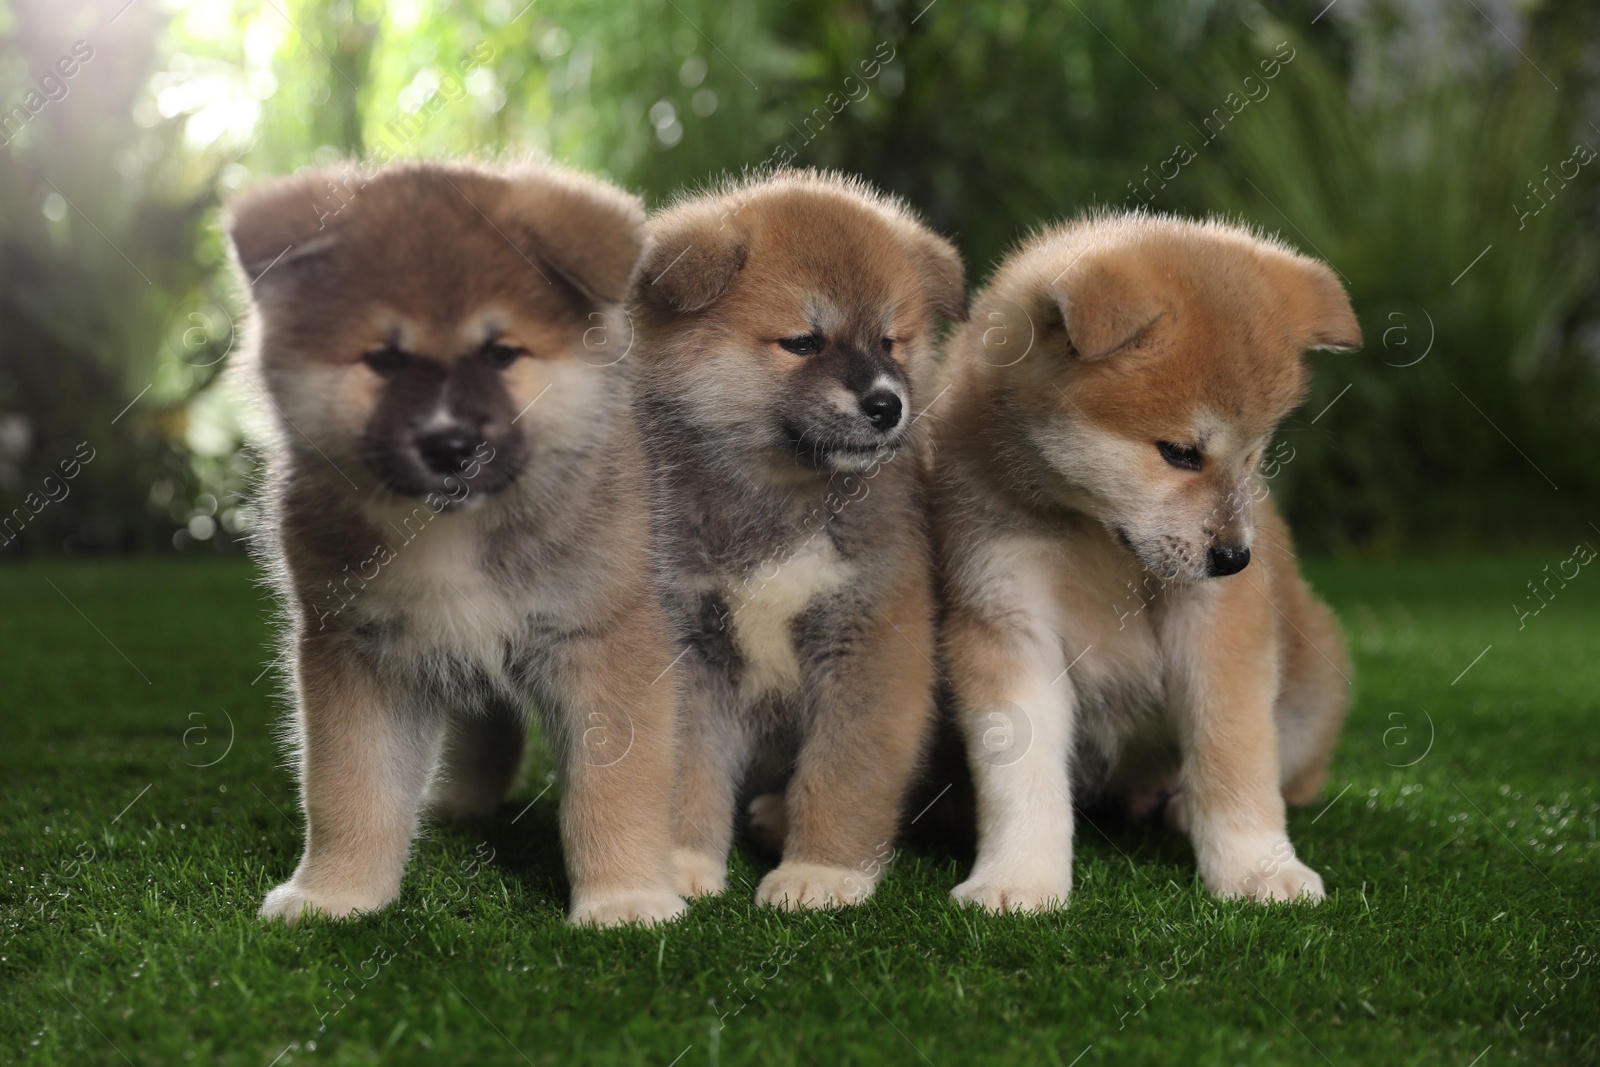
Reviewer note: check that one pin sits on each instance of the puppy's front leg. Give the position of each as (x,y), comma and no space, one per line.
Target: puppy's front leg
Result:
(1015,707)
(1223,693)
(711,759)
(872,712)
(365,755)
(617,749)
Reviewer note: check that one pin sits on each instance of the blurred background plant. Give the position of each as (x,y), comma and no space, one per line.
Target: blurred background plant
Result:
(1442,156)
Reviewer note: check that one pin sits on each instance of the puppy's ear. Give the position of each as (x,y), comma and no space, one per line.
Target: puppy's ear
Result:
(695,253)
(1321,307)
(1103,309)
(280,222)
(944,275)
(591,233)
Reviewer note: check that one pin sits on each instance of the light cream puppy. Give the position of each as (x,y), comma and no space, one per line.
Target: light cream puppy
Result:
(1124,611)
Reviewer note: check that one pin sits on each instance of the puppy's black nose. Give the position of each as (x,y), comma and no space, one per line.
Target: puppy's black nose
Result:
(1228,559)
(882,409)
(447,450)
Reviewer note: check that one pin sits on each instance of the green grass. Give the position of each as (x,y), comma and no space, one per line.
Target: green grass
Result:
(1462,916)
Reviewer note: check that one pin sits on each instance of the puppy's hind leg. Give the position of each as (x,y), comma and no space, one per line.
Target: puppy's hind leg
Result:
(482,755)
(365,755)
(769,820)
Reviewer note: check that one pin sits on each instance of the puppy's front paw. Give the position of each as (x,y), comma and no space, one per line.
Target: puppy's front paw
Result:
(769,820)
(697,874)
(1292,880)
(1271,874)
(621,906)
(797,886)
(1007,897)
(292,902)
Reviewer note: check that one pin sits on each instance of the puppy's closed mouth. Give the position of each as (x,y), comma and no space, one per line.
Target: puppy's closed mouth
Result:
(457,490)
(452,496)
(824,451)
(1166,567)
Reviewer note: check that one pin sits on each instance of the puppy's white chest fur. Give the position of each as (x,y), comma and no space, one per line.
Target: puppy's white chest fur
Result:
(1074,604)
(436,586)
(765,605)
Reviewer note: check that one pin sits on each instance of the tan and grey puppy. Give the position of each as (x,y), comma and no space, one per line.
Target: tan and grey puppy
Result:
(457,518)
(785,330)
(1125,613)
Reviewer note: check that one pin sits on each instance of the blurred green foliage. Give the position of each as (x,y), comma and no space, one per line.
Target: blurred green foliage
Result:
(1432,152)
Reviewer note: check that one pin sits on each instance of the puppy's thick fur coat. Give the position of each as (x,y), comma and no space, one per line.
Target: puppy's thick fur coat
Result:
(786,329)
(457,518)
(1125,614)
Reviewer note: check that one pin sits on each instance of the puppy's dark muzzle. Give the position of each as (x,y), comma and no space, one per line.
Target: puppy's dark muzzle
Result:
(447,452)
(453,463)
(1227,559)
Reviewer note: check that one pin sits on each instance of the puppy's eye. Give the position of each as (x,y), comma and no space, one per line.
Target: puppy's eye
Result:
(1184,457)
(500,355)
(807,344)
(387,361)
(888,344)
